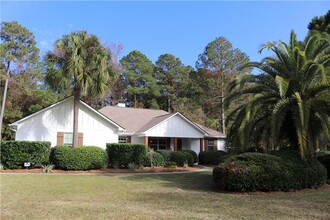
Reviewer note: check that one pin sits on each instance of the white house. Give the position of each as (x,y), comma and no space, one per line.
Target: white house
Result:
(157,129)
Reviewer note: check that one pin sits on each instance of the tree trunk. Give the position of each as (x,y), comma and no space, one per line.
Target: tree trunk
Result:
(135,104)
(169,105)
(222,107)
(76,98)
(4,101)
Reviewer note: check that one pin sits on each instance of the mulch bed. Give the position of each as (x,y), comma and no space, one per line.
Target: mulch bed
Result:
(109,171)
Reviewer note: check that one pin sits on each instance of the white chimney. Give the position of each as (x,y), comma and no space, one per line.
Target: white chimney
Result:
(121,104)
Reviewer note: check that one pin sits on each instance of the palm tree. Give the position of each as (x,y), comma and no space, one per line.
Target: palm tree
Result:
(288,104)
(80,63)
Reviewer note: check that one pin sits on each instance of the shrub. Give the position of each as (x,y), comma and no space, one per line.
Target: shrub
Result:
(182,158)
(193,153)
(325,160)
(254,150)
(15,153)
(211,157)
(166,154)
(133,166)
(153,158)
(80,158)
(264,172)
(123,154)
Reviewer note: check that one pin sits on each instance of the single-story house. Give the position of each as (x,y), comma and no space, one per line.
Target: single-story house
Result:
(157,129)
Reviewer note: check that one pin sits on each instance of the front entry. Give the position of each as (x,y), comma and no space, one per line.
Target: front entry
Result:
(179,144)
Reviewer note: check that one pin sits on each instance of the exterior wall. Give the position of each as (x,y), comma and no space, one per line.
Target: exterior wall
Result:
(45,125)
(221,144)
(175,127)
(137,140)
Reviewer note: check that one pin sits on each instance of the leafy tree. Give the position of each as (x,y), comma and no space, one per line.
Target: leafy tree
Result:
(320,24)
(140,82)
(287,104)
(172,76)
(220,58)
(81,63)
(18,53)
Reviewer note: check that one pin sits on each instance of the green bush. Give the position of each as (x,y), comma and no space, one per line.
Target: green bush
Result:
(166,154)
(325,160)
(123,154)
(213,157)
(265,172)
(182,158)
(193,153)
(254,150)
(154,159)
(15,153)
(80,158)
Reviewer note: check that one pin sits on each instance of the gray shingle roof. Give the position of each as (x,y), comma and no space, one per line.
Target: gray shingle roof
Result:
(137,120)
(132,119)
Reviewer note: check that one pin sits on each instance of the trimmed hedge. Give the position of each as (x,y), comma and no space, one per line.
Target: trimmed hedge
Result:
(213,157)
(193,153)
(265,172)
(15,153)
(166,154)
(123,154)
(325,160)
(80,158)
(153,158)
(182,158)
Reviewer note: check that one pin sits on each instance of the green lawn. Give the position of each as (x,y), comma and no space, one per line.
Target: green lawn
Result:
(171,196)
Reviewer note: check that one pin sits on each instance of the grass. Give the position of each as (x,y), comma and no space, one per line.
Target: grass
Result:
(171,196)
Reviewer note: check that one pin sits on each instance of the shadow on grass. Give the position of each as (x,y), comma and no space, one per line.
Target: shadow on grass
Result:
(197,181)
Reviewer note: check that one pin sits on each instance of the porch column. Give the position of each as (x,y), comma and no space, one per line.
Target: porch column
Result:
(201,142)
(175,144)
(146,142)
(215,144)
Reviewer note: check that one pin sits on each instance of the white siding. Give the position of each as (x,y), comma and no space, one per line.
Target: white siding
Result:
(45,125)
(175,127)
(221,144)
(137,140)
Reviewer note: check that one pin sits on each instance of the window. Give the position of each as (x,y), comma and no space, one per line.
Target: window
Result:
(122,139)
(158,143)
(210,144)
(67,140)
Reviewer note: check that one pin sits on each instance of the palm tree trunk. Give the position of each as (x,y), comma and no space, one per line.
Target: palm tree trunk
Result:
(222,107)
(4,100)
(76,98)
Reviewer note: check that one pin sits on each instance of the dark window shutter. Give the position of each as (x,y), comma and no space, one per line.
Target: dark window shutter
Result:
(60,138)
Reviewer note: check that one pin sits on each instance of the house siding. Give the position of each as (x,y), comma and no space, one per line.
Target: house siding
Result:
(174,127)
(45,126)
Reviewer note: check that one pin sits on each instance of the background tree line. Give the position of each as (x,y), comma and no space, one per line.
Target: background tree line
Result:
(199,93)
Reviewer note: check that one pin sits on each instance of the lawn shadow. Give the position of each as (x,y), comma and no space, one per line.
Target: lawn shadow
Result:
(196,181)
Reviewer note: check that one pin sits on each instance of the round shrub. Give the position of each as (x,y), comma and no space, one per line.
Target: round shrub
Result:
(166,154)
(123,154)
(264,172)
(153,158)
(80,158)
(325,160)
(182,158)
(213,157)
(254,150)
(15,153)
(193,153)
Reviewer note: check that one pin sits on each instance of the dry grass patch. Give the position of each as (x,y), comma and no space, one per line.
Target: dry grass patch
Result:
(170,196)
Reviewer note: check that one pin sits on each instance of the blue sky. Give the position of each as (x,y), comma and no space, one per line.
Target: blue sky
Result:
(182,28)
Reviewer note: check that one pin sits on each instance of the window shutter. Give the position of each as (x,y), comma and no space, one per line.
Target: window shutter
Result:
(80,139)
(60,138)
(129,139)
